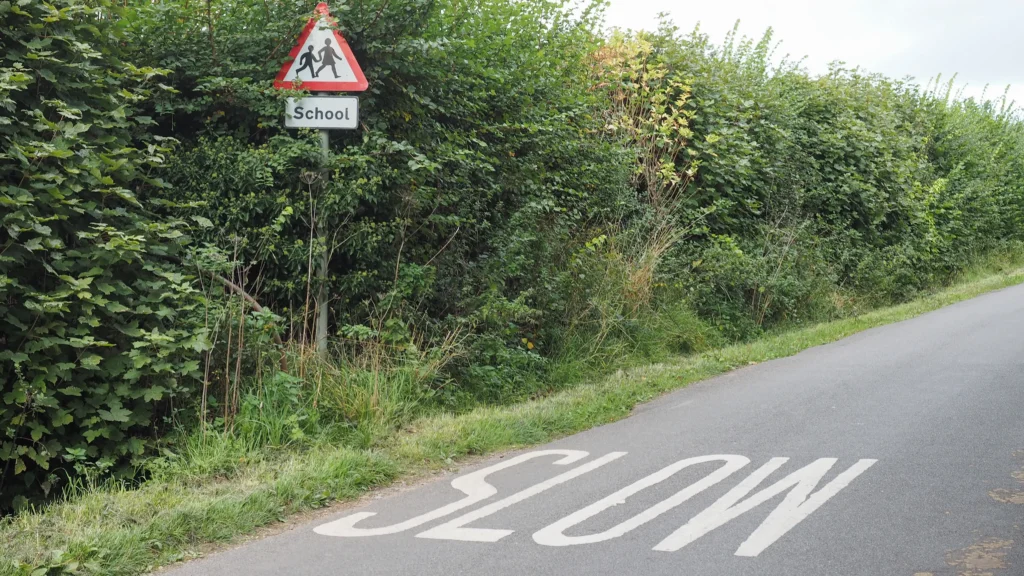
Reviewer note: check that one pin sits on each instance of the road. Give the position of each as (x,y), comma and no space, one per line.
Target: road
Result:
(898,451)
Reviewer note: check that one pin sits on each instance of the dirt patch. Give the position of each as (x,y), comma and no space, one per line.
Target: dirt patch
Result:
(1019,474)
(1011,496)
(981,559)
(1007,496)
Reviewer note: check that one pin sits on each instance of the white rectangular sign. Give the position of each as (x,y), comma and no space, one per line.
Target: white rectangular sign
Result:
(331,112)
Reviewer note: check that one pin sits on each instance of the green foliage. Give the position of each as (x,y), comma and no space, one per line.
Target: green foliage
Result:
(721,181)
(94,342)
(525,203)
(848,184)
(479,167)
(748,284)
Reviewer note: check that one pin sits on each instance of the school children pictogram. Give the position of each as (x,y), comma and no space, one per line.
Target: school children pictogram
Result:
(322,61)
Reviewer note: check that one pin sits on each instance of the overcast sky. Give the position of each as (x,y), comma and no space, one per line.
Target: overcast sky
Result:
(980,40)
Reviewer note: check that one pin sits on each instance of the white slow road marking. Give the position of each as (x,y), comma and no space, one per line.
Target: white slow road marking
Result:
(799,504)
(474,485)
(554,535)
(453,529)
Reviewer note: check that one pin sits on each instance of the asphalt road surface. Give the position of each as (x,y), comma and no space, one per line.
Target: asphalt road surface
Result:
(898,451)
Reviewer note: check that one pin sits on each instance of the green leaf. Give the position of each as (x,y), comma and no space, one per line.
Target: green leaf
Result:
(136,446)
(115,414)
(14,357)
(91,361)
(116,307)
(154,393)
(203,221)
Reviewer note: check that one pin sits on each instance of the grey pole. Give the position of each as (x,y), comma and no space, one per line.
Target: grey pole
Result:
(321,230)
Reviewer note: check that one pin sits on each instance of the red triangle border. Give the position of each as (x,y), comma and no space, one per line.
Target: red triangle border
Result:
(359,85)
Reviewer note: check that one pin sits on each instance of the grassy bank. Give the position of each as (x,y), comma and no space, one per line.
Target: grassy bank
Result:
(218,490)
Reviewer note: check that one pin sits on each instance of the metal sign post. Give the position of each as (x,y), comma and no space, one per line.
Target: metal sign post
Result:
(316,65)
(322,299)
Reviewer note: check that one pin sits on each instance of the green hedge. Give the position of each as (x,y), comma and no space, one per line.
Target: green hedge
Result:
(491,192)
(93,342)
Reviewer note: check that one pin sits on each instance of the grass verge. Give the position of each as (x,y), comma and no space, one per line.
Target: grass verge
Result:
(110,529)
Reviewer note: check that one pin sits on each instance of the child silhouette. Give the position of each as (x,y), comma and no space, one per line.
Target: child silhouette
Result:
(329,58)
(306,61)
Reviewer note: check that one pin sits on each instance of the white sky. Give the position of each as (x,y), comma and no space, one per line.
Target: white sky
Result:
(982,41)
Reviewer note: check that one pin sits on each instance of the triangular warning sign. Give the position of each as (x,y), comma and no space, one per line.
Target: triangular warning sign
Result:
(322,61)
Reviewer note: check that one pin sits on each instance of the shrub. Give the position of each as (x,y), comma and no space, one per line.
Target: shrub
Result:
(94,338)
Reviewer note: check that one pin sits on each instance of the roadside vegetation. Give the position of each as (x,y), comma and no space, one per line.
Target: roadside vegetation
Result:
(539,224)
